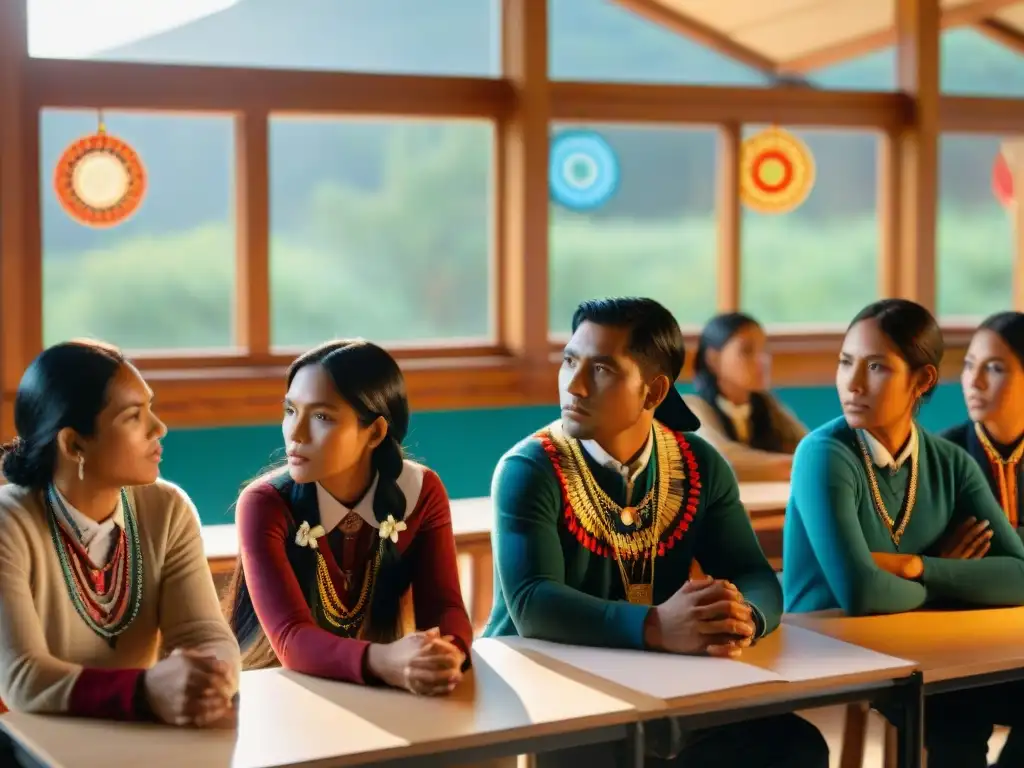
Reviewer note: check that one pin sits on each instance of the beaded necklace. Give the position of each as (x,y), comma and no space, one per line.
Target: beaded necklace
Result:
(1005,471)
(340,618)
(876,496)
(107,598)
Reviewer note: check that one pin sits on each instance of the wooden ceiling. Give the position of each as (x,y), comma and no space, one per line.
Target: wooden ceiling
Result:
(793,37)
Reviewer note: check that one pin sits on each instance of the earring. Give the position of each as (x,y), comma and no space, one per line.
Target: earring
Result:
(81,467)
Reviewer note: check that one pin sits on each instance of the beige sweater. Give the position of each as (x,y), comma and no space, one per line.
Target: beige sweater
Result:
(749,464)
(44,644)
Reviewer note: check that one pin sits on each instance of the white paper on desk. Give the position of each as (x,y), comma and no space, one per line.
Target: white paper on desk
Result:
(661,675)
(812,656)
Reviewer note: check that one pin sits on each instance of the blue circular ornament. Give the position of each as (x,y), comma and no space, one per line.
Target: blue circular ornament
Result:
(584,171)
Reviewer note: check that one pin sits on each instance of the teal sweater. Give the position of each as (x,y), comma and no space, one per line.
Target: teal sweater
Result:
(549,586)
(832,529)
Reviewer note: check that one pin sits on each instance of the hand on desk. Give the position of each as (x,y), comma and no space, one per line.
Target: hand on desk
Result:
(704,616)
(189,688)
(971,540)
(424,663)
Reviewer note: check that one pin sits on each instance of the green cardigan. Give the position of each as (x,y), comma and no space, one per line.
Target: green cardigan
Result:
(832,528)
(550,586)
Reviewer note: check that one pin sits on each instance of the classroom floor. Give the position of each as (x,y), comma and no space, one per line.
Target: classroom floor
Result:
(830,723)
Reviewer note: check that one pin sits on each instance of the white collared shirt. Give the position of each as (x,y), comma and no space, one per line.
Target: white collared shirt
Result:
(628,473)
(332,511)
(880,454)
(97,538)
(739,415)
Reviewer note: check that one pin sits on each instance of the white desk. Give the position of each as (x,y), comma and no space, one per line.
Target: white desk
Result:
(509,704)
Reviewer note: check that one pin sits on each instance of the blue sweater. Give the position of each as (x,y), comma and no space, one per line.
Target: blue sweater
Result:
(832,528)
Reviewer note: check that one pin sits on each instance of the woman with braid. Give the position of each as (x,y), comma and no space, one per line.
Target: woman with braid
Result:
(331,545)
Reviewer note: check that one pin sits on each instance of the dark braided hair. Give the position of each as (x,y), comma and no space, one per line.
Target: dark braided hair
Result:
(369,380)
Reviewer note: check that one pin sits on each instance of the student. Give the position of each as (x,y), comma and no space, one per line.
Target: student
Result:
(331,544)
(877,509)
(101,561)
(738,415)
(599,516)
(993,384)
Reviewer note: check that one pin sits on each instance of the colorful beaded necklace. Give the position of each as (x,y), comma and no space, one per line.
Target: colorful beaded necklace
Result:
(107,598)
(1005,471)
(341,619)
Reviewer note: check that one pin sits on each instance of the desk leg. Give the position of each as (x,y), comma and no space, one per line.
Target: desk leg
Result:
(633,747)
(910,728)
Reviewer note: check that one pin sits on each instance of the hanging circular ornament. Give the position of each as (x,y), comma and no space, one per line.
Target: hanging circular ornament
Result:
(100,180)
(776,171)
(1002,180)
(584,171)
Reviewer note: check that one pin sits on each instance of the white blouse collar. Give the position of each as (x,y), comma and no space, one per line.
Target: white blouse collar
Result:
(332,511)
(605,459)
(880,454)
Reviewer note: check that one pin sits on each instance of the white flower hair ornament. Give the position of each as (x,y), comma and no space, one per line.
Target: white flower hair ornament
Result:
(306,536)
(390,528)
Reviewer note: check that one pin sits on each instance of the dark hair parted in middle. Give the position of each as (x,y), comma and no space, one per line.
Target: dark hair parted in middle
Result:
(912,329)
(369,380)
(655,343)
(64,387)
(1009,326)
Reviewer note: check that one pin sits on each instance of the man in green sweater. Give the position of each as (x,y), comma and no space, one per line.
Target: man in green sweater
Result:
(600,516)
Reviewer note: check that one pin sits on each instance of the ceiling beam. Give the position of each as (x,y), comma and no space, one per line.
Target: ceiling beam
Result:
(1002,33)
(965,15)
(674,21)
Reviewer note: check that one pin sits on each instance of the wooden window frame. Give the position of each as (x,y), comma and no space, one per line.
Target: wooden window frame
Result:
(216,389)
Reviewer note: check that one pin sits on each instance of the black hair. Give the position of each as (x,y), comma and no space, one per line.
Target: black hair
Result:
(369,380)
(66,386)
(655,343)
(718,332)
(912,329)
(1010,328)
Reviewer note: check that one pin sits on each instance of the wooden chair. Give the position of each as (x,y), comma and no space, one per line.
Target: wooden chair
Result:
(855,733)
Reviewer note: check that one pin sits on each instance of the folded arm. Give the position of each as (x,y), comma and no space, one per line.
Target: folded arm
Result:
(996,579)
(825,493)
(531,565)
(31,678)
(299,642)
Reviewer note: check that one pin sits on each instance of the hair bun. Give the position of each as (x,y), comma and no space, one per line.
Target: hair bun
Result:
(17,467)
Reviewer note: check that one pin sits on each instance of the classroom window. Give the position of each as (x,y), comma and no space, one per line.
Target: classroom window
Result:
(817,263)
(975,238)
(380,229)
(162,279)
(633,212)
(454,37)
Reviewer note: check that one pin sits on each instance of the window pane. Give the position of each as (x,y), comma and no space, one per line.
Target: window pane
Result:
(454,37)
(818,263)
(975,245)
(380,229)
(163,279)
(655,236)
(974,65)
(600,40)
(971,65)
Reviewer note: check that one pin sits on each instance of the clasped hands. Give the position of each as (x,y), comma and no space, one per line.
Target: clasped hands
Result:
(971,540)
(191,688)
(705,616)
(425,663)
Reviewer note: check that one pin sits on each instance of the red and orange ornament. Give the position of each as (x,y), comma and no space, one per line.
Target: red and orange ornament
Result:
(100,180)
(777,171)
